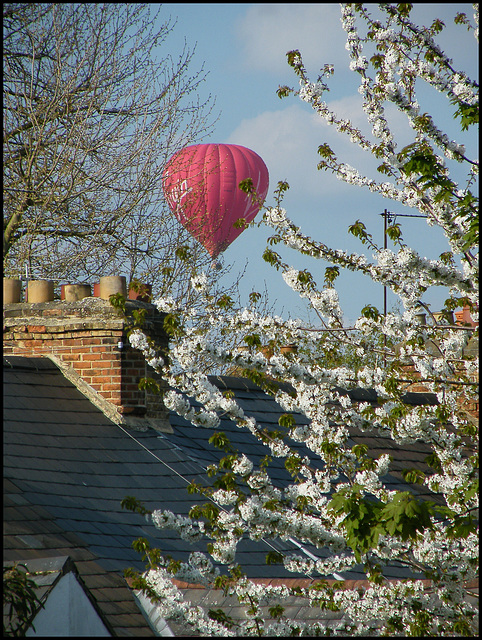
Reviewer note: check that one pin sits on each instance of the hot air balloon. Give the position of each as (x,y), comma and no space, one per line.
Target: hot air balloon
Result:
(201,186)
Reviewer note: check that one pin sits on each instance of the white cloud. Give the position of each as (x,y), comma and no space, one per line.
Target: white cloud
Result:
(288,140)
(268,31)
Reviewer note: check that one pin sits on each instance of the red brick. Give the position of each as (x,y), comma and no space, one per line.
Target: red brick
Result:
(109,355)
(102,379)
(92,356)
(109,386)
(131,386)
(68,342)
(100,373)
(112,396)
(91,341)
(36,329)
(83,365)
(32,344)
(70,357)
(133,372)
(52,312)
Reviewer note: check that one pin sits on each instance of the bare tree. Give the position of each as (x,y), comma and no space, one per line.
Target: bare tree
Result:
(93,109)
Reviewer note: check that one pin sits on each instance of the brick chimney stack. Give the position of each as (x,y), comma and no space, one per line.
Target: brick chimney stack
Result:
(88,339)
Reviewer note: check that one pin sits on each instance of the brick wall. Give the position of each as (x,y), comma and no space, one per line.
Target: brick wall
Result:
(468,405)
(464,317)
(91,337)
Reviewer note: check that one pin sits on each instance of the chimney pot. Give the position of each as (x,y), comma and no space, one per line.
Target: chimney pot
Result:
(74,292)
(40,291)
(110,285)
(12,290)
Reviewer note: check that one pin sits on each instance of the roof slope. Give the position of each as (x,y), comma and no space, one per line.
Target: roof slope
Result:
(64,455)
(256,403)
(67,468)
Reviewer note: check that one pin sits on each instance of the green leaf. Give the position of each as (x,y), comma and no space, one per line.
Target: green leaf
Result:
(139,316)
(468,114)
(20,600)
(406,516)
(283,92)
(253,340)
(282,186)
(118,301)
(276,611)
(225,302)
(220,616)
(414,476)
(384,168)
(183,252)
(358,229)
(150,385)
(131,503)
(240,223)
(173,324)
(293,464)
(221,441)
(331,274)
(247,185)
(394,232)
(272,258)
(274,557)
(294,58)
(226,482)
(272,505)
(370,312)
(462,526)
(287,420)
(325,151)
(305,277)
(360,450)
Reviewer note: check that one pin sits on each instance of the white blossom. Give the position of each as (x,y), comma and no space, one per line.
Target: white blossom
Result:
(200,282)
(167,304)
(242,465)
(392,351)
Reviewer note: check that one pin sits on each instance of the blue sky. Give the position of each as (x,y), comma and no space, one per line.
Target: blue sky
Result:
(243,47)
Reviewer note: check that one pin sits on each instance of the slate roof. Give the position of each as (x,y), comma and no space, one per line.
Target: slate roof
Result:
(255,402)
(67,467)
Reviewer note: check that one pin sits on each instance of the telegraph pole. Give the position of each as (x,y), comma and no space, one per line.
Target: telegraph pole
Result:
(388,217)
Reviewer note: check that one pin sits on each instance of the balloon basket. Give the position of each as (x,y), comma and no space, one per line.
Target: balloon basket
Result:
(216,265)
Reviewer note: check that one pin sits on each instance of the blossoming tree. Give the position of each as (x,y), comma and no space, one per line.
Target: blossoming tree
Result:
(343,503)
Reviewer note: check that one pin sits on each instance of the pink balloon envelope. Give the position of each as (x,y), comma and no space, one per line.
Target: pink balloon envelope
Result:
(201,186)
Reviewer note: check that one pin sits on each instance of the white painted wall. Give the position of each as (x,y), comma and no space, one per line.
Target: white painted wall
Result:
(68,612)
